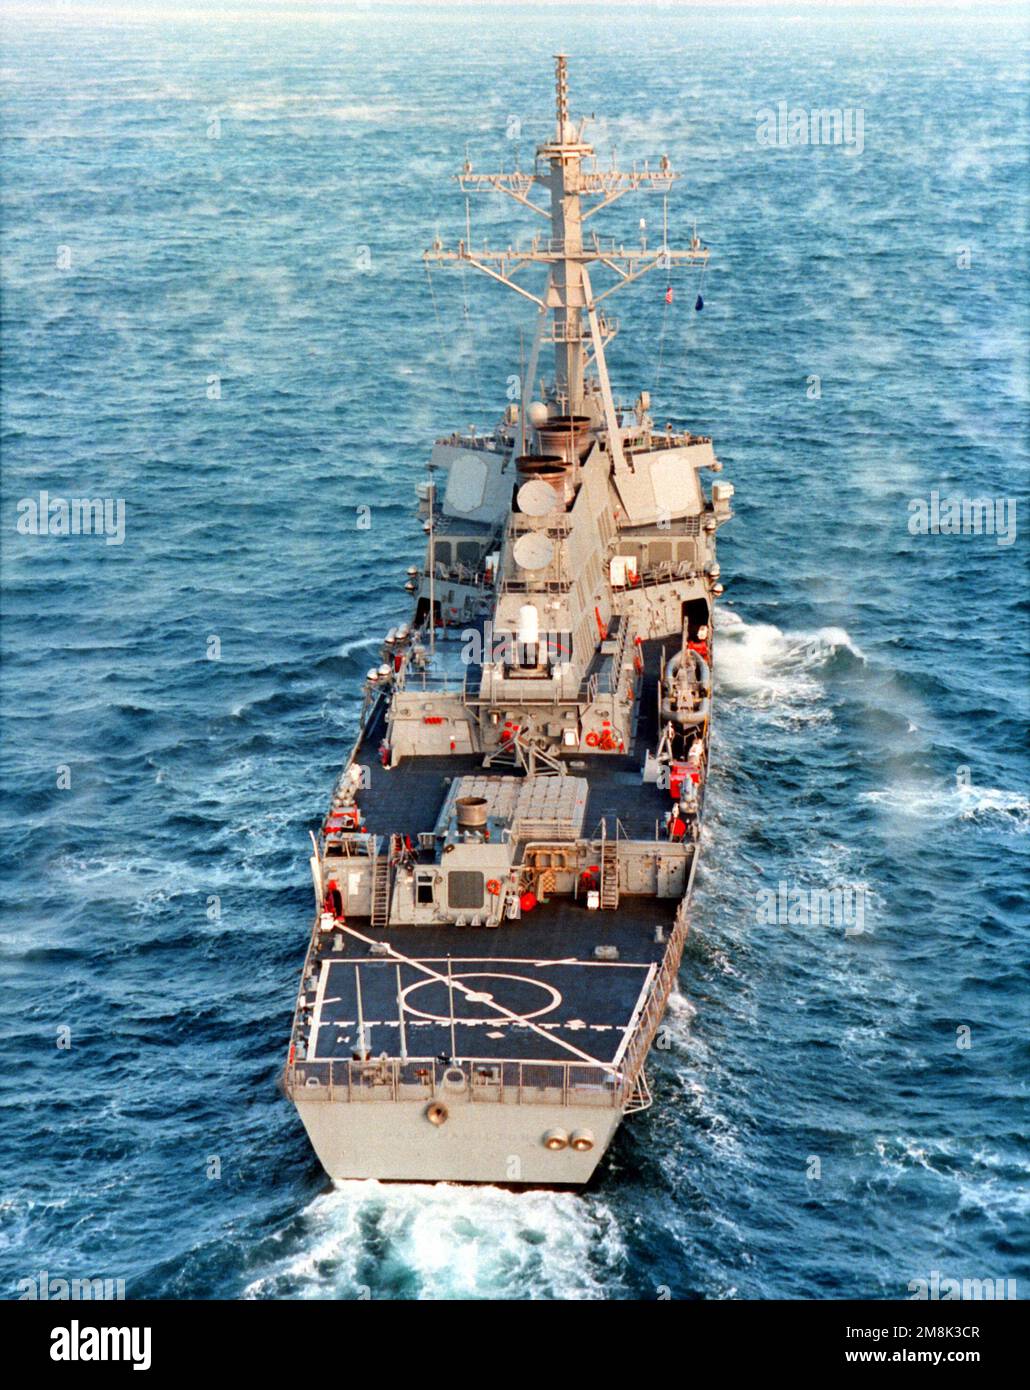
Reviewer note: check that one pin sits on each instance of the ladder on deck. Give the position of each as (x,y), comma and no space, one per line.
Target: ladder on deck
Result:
(380,915)
(609,870)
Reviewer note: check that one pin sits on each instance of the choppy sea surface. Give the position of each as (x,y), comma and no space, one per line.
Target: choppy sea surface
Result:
(215,311)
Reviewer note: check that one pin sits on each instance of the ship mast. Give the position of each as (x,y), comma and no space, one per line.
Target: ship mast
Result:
(566,291)
(566,167)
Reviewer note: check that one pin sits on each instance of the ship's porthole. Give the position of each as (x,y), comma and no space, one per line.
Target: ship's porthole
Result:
(581,1140)
(556,1139)
(437,1113)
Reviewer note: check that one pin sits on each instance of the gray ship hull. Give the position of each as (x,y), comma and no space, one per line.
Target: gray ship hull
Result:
(480,1143)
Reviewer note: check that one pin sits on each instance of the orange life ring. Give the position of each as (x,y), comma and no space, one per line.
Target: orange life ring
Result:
(592,740)
(493,886)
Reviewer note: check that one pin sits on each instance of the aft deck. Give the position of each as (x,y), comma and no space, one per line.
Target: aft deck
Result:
(529,991)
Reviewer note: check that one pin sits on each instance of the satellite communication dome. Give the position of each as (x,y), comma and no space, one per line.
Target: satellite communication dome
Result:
(533,551)
(536,498)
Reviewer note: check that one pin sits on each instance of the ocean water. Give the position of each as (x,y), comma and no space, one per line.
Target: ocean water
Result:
(214,311)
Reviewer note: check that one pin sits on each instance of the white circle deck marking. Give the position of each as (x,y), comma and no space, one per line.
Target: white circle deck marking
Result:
(482,998)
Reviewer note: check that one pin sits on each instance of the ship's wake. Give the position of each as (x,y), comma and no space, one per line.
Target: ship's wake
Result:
(370,1240)
(958,801)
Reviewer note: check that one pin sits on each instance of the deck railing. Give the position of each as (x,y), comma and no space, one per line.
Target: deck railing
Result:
(654,1005)
(517,1083)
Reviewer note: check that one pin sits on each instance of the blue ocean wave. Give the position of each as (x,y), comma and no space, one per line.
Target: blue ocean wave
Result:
(243,347)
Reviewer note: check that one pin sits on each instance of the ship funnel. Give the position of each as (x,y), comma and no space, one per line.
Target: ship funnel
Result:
(471,812)
(567,435)
(550,468)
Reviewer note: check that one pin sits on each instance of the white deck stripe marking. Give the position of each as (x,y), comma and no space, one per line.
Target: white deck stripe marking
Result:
(316,1017)
(362,1041)
(481,997)
(419,965)
(518,1019)
(400,1016)
(497,1061)
(539,964)
(620,1050)
(523,960)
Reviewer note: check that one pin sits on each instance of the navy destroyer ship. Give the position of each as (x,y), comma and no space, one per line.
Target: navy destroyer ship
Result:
(503,874)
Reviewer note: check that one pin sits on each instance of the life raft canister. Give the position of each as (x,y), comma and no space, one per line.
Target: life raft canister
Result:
(527,901)
(678,773)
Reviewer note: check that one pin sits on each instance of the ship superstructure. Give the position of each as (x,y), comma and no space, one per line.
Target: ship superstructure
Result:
(502,878)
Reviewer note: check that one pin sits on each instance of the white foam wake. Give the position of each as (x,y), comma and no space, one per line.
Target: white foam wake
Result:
(346,648)
(776,670)
(371,1240)
(954,801)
